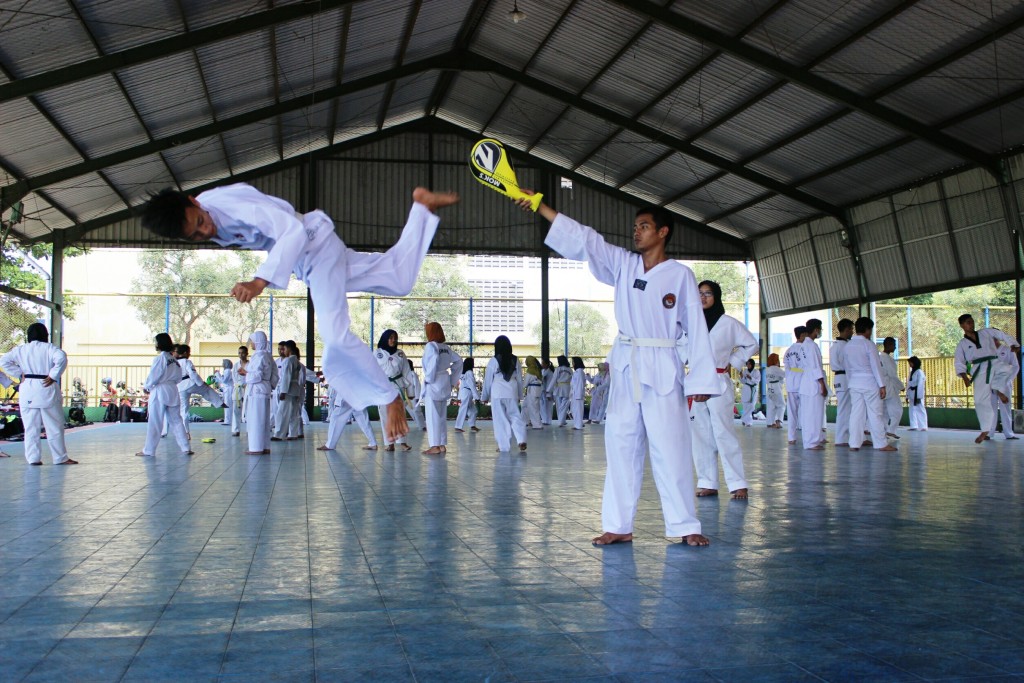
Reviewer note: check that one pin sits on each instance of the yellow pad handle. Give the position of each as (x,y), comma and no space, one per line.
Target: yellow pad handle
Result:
(492,167)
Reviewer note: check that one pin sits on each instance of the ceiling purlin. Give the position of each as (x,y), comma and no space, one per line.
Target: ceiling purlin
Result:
(677,84)
(718,175)
(817,84)
(463,39)
(389,92)
(346,26)
(275,67)
(148,52)
(753,201)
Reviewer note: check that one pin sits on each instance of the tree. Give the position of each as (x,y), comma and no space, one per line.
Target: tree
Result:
(729,276)
(16,313)
(588,330)
(440,281)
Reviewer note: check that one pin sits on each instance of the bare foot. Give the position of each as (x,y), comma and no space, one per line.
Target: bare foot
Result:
(792,442)
(815,448)
(4,455)
(696,539)
(324,448)
(434,450)
(853,450)
(981,437)
(739,494)
(369,448)
(254,452)
(405,446)
(390,447)
(69,461)
(475,429)
(1003,398)
(704,493)
(608,538)
(396,426)
(143,455)
(434,200)
(888,448)
(460,431)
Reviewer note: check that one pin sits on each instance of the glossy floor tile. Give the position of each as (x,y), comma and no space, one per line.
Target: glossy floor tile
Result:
(362,565)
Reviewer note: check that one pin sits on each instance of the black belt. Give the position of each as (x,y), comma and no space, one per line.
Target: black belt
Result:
(34,376)
(839,372)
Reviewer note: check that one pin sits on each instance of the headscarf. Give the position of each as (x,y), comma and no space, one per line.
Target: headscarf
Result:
(563,362)
(773,359)
(717,309)
(434,332)
(383,342)
(602,368)
(467,364)
(506,359)
(259,341)
(226,364)
(37,332)
(577,363)
(915,365)
(533,367)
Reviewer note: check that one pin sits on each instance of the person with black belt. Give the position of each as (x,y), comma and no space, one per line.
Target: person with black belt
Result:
(836,359)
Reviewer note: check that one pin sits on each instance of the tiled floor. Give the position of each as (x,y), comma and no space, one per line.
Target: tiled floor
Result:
(360,565)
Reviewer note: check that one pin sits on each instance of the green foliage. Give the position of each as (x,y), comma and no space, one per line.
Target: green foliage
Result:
(440,278)
(589,330)
(15,313)
(729,276)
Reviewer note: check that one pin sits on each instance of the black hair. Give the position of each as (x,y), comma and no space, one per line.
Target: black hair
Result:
(37,332)
(577,363)
(293,348)
(717,309)
(844,325)
(563,362)
(467,364)
(164,213)
(965,316)
(812,325)
(506,359)
(799,331)
(863,325)
(661,218)
(164,342)
(750,361)
(915,362)
(184,350)
(411,366)
(889,339)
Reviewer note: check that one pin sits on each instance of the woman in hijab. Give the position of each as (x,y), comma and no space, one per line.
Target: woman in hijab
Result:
(775,380)
(577,390)
(562,383)
(468,396)
(441,372)
(503,385)
(393,362)
(162,386)
(599,394)
(534,390)
(731,345)
(260,382)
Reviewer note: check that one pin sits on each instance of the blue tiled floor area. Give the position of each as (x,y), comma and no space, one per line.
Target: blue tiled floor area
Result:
(374,566)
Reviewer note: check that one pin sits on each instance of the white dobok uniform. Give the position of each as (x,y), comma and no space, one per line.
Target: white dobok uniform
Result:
(395,366)
(340,414)
(547,380)
(714,434)
(987,371)
(812,402)
(504,397)
(1009,359)
(749,382)
(260,382)
(238,388)
(226,380)
(775,382)
(163,411)
(414,407)
(864,379)
(916,383)
(291,382)
(837,361)
(792,360)
(40,406)
(577,391)
(599,396)
(308,246)
(893,404)
(533,389)
(191,383)
(561,390)
(441,368)
(468,396)
(656,311)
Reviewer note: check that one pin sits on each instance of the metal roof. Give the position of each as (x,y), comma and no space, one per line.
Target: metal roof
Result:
(747,116)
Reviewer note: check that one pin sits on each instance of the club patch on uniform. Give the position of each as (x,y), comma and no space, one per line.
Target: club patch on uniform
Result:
(668,301)
(640,284)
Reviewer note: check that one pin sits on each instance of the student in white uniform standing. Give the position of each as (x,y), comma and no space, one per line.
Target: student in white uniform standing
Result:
(341,412)
(577,391)
(561,382)
(162,386)
(39,365)
(226,382)
(532,392)
(290,383)
(392,361)
(750,379)
(238,387)
(794,374)
(838,365)
(978,347)
(503,385)
(775,381)
(547,396)
(191,384)
(240,215)
(441,370)
(657,310)
(713,435)
(260,382)
(468,396)
(599,394)
(1002,396)
(414,407)
(812,389)
(893,405)
(866,386)
(916,383)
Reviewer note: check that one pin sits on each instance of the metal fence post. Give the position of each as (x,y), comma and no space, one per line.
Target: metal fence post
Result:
(910,332)
(470,326)
(167,312)
(565,344)
(372,335)
(270,327)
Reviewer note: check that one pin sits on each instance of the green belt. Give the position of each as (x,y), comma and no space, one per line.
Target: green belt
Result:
(988,370)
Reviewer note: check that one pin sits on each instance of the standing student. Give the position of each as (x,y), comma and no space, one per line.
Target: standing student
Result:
(916,383)
(392,361)
(260,382)
(238,384)
(812,388)
(866,386)
(191,384)
(39,365)
(599,394)
(775,380)
(468,396)
(414,407)
(577,391)
(562,389)
(162,386)
(794,374)
(839,381)
(441,368)
(240,215)
(657,311)
(1002,395)
(225,379)
(893,405)
(732,345)
(503,385)
(547,396)
(750,380)
(341,412)
(978,347)
(532,392)
(289,383)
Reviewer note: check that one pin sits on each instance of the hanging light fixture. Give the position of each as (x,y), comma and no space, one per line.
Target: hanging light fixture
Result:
(516,15)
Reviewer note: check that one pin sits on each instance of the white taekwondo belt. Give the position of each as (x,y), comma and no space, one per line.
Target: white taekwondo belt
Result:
(649,342)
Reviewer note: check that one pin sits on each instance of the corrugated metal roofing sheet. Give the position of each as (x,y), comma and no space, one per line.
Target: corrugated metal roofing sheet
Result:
(983,241)
(772,277)
(993,131)
(523,118)
(803,29)
(374,36)
(305,130)
(29,144)
(40,218)
(137,179)
(835,261)
(515,44)
(409,100)
(196,163)
(32,43)
(575,134)
(730,16)
(437,25)
(178,73)
(357,114)
(802,266)
(307,53)
(239,73)
(881,256)
(621,158)
(128,23)
(85,197)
